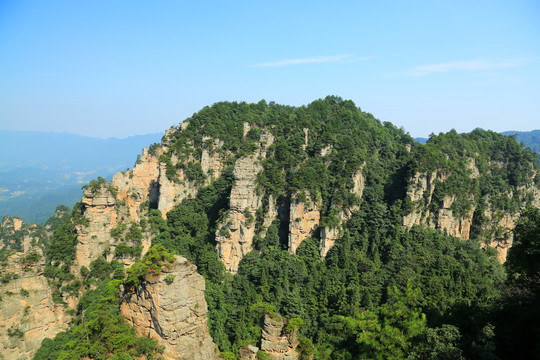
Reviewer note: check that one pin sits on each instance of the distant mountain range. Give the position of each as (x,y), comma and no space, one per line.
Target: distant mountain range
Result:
(40,170)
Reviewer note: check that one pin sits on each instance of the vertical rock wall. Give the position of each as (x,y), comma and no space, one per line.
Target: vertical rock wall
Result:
(305,217)
(235,235)
(94,237)
(498,226)
(277,344)
(171,308)
(329,235)
(28,313)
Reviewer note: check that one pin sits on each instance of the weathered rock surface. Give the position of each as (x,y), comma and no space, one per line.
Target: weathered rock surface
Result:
(16,235)
(277,344)
(304,221)
(234,236)
(171,308)
(126,200)
(420,192)
(497,226)
(28,313)
(94,237)
(329,235)
(139,185)
(249,353)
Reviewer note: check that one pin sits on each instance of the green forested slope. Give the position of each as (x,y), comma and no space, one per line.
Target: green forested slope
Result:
(382,292)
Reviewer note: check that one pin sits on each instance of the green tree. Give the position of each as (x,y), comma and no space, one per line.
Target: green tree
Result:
(387,332)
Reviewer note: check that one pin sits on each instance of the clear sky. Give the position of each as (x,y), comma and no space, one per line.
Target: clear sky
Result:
(120,68)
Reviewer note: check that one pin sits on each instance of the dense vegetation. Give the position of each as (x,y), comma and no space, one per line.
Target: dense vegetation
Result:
(448,278)
(98,331)
(381,292)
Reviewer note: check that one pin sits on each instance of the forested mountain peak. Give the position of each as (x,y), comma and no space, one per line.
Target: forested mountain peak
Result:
(353,238)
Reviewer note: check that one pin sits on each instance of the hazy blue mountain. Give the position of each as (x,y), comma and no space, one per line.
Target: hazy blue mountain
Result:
(40,170)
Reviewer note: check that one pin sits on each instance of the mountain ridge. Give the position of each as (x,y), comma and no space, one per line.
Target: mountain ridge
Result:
(320,215)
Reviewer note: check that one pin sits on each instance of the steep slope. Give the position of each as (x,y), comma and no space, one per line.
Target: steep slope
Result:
(170,307)
(317,171)
(314,210)
(472,185)
(29,311)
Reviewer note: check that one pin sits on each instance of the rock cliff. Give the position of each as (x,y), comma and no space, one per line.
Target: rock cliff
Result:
(496,226)
(304,221)
(17,236)
(234,236)
(330,234)
(275,342)
(131,193)
(94,237)
(170,307)
(28,313)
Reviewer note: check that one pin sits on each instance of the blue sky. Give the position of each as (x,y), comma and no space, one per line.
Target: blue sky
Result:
(120,68)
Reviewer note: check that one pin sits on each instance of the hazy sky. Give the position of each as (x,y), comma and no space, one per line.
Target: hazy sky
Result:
(119,68)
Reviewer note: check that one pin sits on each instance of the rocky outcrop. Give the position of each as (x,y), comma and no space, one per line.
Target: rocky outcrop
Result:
(234,236)
(138,186)
(171,308)
(420,192)
(304,221)
(172,192)
(275,342)
(20,237)
(28,313)
(212,162)
(94,237)
(17,223)
(496,227)
(129,195)
(329,235)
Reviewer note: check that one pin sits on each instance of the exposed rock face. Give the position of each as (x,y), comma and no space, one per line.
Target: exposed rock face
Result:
(276,343)
(497,226)
(139,185)
(304,221)
(455,226)
(421,186)
(249,353)
(326,150)
(128,197)
(171,308)
(235,236)
(29,314)
(16,235)
(329,235)
(306,138)
(94,237)
(212,162)
(17,223)
(172,193)
(420,191)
